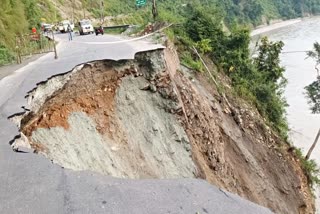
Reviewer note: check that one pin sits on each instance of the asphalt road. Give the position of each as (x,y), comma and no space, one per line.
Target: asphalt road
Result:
(30,183)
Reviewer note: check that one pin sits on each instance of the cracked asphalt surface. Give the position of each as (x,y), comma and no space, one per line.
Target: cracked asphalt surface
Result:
(30,183)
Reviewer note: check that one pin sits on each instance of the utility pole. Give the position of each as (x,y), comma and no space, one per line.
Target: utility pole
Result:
(101,11)
(54,46)
(84,4)
(72,11)
(84,11)
(55,11)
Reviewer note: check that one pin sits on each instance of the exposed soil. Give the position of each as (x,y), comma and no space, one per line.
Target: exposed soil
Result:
(91,91)
(147,119)
(234,149)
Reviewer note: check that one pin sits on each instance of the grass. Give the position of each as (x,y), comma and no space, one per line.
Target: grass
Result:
(6,56)
(310,168)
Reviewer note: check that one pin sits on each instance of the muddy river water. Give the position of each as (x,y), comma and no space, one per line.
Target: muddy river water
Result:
(300,72)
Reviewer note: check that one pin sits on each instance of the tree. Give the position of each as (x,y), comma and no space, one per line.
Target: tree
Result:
(268,60)
(313,91)
(313,95)
(315,54)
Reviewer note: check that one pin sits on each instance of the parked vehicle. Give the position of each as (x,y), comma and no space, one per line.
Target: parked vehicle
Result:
(63,26)
(85,27)
(46,27)
(99,30)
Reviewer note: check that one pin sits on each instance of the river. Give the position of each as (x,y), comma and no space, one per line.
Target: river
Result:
(300,72)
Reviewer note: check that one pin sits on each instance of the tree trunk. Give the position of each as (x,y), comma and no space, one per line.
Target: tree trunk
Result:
(154,10)
(313,145)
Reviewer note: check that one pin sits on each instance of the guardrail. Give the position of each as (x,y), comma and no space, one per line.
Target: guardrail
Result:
(34,43)
(116,26)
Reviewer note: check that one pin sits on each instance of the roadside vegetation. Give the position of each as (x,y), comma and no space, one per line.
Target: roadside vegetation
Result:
(17,18)
(259,80)
(310,168)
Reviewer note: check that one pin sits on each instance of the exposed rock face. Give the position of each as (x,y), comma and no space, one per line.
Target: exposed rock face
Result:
(143,119)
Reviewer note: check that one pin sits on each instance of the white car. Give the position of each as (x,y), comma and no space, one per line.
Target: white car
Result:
(46,27)
(63,26)
(85,27)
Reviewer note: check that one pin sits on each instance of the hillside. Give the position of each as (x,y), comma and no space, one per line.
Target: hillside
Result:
(252,12)
(19,16)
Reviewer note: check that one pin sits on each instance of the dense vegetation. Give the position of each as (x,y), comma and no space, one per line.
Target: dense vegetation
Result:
(234,11)
(313,90)
(259,79)
(17,17)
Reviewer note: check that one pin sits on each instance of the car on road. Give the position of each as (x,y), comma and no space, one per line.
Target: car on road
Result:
(99,30)
(46,27)
(85,27)
(63,26)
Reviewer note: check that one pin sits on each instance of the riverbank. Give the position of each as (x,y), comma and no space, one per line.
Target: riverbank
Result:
(299,73)
(274,26)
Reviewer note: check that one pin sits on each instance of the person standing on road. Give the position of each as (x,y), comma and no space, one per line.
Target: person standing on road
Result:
(69,29)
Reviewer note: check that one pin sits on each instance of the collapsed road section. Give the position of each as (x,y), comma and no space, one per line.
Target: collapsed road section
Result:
(150,118)
(106,117)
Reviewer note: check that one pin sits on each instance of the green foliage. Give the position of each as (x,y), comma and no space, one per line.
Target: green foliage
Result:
(271,83)
(313,95)
(201,25)
(268,60)
(310,168)
(260,79)
(188,61)
(17,17)
(5,56)
(32,12)
(204,46)
(12,21)
(252,11)
(315,53)
(232,11)
(313,90)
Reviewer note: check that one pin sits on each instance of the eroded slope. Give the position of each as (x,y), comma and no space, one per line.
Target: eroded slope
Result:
(145,119)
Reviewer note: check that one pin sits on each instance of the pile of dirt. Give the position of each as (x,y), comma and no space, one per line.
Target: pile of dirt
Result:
(148,118)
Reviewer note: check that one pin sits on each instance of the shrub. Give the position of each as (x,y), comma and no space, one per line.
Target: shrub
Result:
(5,56)
(310,168)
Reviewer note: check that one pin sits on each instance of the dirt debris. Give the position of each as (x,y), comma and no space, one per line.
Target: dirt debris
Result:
(234,149)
